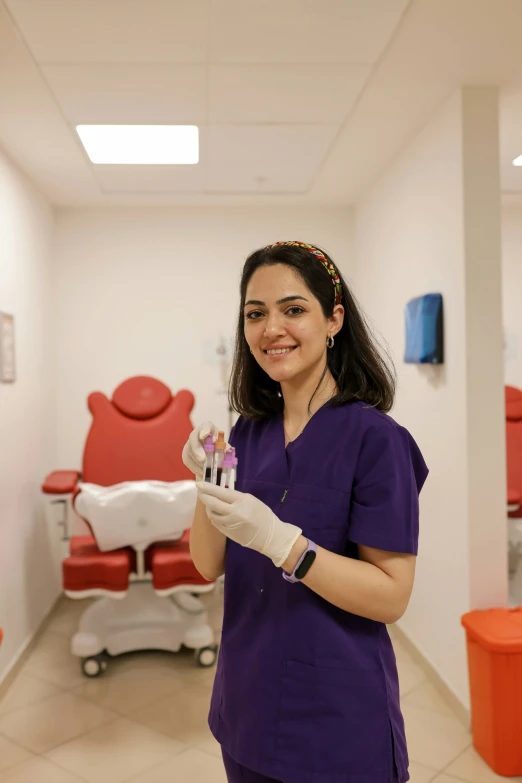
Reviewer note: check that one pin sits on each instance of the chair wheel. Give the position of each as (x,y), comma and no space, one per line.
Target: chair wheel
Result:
(206,657)
(94,666)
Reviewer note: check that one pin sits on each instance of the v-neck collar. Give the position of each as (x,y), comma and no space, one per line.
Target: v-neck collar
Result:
(305,429)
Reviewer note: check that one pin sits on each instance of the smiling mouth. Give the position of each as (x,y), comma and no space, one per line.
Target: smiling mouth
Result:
(279,351)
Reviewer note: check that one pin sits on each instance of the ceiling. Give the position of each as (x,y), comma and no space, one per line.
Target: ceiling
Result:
(298,101)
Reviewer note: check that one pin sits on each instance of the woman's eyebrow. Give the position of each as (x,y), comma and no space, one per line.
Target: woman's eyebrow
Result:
(291,299)
(279,301)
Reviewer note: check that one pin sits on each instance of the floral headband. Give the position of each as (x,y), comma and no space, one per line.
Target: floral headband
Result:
(328,265)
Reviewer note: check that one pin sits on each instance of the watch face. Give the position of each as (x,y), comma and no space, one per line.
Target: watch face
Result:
(308,560)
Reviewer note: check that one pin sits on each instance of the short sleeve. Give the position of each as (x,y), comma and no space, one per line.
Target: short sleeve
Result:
(389,476)
(234,438)
(231,440)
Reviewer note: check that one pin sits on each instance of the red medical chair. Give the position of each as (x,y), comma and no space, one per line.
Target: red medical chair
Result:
(136,499)
(513,398)
(514,450)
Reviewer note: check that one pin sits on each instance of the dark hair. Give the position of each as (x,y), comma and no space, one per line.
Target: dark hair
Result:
(355,361)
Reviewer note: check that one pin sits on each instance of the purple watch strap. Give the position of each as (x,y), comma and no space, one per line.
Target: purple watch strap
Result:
(311,547)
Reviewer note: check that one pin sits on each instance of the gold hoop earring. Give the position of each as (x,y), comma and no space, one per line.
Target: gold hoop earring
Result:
(330,341)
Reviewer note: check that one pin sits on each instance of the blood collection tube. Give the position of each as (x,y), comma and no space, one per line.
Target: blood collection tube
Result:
(219,455)
(209,457)
(233,470)
(228,464)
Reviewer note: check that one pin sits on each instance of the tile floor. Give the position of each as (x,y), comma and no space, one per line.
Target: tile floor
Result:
(145,719)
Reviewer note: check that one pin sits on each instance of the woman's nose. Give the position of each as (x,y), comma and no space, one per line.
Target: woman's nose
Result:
(273,325)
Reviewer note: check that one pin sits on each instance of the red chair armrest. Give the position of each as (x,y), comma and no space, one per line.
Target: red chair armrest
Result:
(61,482)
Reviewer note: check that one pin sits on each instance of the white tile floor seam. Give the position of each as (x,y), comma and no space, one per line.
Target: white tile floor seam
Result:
(468,767)
(451,764)
(11,754)
(55,766)
(145,719)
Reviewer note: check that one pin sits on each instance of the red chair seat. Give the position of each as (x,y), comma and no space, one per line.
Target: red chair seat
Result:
(172,566)
(89,569)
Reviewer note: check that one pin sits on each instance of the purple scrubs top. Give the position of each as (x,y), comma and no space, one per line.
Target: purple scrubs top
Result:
(306,692)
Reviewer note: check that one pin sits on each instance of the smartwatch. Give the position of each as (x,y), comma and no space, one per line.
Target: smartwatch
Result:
(304,564)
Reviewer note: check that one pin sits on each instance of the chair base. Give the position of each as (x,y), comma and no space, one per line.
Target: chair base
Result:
(514,546)
(142,620)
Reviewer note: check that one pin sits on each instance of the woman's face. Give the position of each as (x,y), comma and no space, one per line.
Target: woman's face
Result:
(284,324)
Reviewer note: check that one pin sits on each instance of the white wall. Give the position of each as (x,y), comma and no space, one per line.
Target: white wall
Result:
(512,292)
(28,581)
(412,237)
(149,291)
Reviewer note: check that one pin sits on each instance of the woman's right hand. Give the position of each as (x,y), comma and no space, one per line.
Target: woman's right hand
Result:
(193,452)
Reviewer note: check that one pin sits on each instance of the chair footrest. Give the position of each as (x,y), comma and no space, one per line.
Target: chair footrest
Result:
(171,566)
(89,569)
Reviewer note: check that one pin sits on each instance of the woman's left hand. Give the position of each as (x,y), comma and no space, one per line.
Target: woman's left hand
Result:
(248,521)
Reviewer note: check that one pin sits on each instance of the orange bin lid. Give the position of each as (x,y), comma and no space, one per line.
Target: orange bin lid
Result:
(498,630)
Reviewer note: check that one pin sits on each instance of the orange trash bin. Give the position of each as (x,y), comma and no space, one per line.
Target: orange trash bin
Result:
(494,642)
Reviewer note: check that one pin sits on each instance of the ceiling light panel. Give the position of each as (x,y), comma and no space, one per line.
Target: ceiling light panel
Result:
(140,144)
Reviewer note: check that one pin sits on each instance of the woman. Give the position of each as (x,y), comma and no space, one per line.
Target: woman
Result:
(319,541)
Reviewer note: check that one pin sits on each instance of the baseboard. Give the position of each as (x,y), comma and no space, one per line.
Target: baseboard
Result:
(460,709)
(22,656)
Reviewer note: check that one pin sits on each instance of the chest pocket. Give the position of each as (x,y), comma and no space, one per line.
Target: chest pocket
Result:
(323,514)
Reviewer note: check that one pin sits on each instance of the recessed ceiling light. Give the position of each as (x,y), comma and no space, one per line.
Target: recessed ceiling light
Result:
(141,144)
(518,161)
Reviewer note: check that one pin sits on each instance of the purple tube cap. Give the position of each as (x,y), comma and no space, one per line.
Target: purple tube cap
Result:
(228,460)
(209,445)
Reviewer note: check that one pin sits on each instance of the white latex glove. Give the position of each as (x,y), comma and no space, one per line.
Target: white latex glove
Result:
(193,455)
(248,521)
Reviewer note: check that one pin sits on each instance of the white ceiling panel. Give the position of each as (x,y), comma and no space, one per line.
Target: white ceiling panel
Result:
(301,31)
(283,93)
(113,93)
(266,158)
(266,147)
(32,130)
(74,31)
(150,179)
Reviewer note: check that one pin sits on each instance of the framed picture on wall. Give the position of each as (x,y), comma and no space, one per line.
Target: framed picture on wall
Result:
(7,350)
